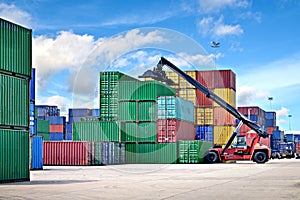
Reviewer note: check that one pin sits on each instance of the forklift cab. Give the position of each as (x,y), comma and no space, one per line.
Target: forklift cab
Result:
(240,142)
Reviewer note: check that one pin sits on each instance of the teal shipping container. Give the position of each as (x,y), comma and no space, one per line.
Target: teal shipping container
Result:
(170,107)
(36,152)
(96,131)
(14,155)
(15,49)
(14,102)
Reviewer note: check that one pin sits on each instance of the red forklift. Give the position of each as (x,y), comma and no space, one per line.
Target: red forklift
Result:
(236,147)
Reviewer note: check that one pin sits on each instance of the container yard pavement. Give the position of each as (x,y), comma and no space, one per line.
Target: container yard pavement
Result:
(277,179)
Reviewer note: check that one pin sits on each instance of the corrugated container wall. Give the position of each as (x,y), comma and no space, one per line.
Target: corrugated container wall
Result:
(15,106)
(36,152)
(205,133)
(222,134)
(224,79)
(204,116)
(14,155)
(15,49)
(32,86)
(32,122)
(96,131)
(227,94)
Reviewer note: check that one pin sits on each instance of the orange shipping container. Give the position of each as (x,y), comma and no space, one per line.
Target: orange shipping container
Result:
(57,128)
(270,130)
(223,117)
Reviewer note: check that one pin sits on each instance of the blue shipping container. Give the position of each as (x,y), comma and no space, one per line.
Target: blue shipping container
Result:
(270,123)
(270,115)
(37,152)
(32,86)
(56,119)
(69,127)
(289,137)
(32,121)
(56,136)
(45,110)
(78,112)
(204,133)
(277,135)
(297,138)
(170,107)
(95,112)
(69,136)
(275,144)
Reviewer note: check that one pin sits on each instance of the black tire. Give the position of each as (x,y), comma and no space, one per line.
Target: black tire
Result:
(212,157)
(260,157)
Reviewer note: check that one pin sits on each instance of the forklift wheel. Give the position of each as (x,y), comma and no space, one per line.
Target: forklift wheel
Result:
(260,157)
(212,157)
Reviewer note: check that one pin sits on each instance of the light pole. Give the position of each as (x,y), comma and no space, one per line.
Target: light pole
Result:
(270,99)
(289,121)
(215,45)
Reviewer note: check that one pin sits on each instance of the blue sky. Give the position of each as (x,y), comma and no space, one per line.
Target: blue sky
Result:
(75,39)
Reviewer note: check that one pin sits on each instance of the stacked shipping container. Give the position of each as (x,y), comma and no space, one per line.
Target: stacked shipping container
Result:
(15,74)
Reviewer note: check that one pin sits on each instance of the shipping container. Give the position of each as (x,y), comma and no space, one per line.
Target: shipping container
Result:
(14,155)
(172,130)
(151,153)
(150,90)
(224,79)
(169,107)
(128,90)
(32,120)
(96,131)
(189,95)
(252,110)
(32,86)
(14,108)
(78,112)
(147,132)
(147,111)
(45,136)
(128,111)
(66,153)
(192,151)
(129,132)
(36,152)
(289,137)
(43,126)
(43,111)
(16,49)
(174,77)
(222,134)
(202,100)
(205,133)
(60,128)
(227,94)
(204,116)
(277,135)
(59,120)
(206,78)
(223,117)
(183,83)
(56,136)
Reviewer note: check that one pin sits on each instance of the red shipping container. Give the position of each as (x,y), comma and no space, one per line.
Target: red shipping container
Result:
(206,78)
(244,129)
(202,100)
(172,130)
(57,128)
(224,79)
(270,130)
(297,147)
(254,110)
(223,117)
(66,153)
(251,134)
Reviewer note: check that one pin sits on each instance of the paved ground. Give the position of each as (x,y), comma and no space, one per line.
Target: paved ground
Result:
(277,179)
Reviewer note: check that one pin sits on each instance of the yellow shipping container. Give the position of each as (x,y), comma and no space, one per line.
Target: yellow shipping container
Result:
(222,134)
(188,94)
(183,83)
(204,116)
(227,94)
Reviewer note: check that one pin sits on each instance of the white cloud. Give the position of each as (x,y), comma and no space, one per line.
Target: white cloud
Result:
(215,6)
(61,102)
(249,95)
(256,16)
(208,26)
(12,13)
(283,112)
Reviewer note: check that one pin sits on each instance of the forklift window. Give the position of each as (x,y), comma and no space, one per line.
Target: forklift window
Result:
(239,142)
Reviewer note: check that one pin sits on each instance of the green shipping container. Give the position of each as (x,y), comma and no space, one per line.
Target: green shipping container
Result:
(43,126)
(167,153)
(147,111)
(127,111)
(192,151)
(129,132)
(46,136)
(127,90)
(151,153)
(96,131)
(147,132)
(14,155)
(150,90)
(15,49)
(14,101)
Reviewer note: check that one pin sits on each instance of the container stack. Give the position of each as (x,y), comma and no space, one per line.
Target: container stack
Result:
(43,129)
(15,75)
(192,151)
(277,138)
